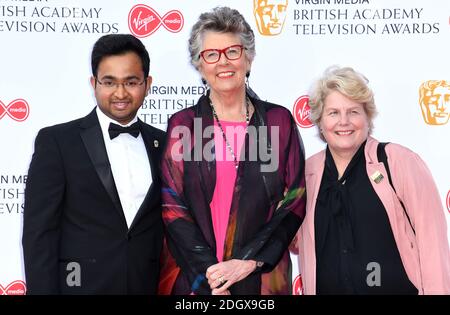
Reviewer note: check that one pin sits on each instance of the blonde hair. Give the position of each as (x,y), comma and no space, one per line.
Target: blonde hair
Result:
(348,82)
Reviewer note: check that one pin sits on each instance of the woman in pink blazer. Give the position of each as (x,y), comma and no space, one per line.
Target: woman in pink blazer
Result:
(361,233)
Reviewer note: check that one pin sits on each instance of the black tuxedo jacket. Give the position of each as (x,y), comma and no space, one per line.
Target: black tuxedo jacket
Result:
(75,236)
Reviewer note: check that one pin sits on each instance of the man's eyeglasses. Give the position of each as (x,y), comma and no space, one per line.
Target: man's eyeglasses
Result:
(113,85)
(213,55)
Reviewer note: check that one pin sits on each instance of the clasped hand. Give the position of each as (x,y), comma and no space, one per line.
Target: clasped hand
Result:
(224,274)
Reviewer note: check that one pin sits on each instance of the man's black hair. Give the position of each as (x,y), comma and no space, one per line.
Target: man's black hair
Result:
(119,44)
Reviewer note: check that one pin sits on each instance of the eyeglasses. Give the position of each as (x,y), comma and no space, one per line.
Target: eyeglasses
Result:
(213,55)
(129,85)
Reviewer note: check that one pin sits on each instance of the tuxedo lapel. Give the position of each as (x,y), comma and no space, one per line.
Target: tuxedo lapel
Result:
(153,148)
(92,137)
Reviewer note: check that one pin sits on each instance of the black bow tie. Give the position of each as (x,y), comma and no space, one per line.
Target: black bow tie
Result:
(115,130)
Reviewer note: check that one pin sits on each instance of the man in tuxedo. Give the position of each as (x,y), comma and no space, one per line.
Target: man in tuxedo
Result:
(92,216)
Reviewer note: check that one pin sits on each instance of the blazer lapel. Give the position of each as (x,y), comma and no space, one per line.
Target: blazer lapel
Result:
(92,137)
(313,174)
(153,148)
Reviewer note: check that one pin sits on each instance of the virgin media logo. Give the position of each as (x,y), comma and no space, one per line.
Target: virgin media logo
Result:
(302,112)
(297,286)
(14,288)
(143,21)
(17,110)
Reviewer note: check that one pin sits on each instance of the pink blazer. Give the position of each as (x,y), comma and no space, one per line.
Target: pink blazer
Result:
(425,255)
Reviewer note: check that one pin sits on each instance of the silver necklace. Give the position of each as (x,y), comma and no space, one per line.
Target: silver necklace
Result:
(247,120)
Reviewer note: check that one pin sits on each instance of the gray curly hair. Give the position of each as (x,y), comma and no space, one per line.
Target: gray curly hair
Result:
(221,20)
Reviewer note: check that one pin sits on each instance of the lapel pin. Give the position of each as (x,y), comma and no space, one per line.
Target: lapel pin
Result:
(377,177)
(156,143)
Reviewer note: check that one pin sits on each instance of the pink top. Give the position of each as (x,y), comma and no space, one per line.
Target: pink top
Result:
(225,178)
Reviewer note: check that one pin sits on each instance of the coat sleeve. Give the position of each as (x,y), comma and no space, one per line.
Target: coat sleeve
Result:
(418,192)
(185,239)
(44,193)
(274,238)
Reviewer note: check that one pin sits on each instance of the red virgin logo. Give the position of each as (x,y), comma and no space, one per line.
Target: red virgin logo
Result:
(297,286)
(17,110)
(143,21)
(14,288)
(302,112)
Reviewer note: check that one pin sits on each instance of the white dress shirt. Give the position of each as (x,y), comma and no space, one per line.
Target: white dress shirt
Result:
(129,164)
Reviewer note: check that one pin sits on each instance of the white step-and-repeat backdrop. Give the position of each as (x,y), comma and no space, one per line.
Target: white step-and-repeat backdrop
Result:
(402,46)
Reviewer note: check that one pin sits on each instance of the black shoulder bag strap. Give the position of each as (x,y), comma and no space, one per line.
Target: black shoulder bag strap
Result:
(382,157)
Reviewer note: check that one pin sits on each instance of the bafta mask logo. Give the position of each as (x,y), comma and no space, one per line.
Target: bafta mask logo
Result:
(270,15)
(434,99)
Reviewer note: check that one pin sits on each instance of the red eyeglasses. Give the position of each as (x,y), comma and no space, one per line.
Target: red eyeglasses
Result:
(213,55)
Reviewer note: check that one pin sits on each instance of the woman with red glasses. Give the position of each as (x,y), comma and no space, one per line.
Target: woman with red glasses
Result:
(233,174)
